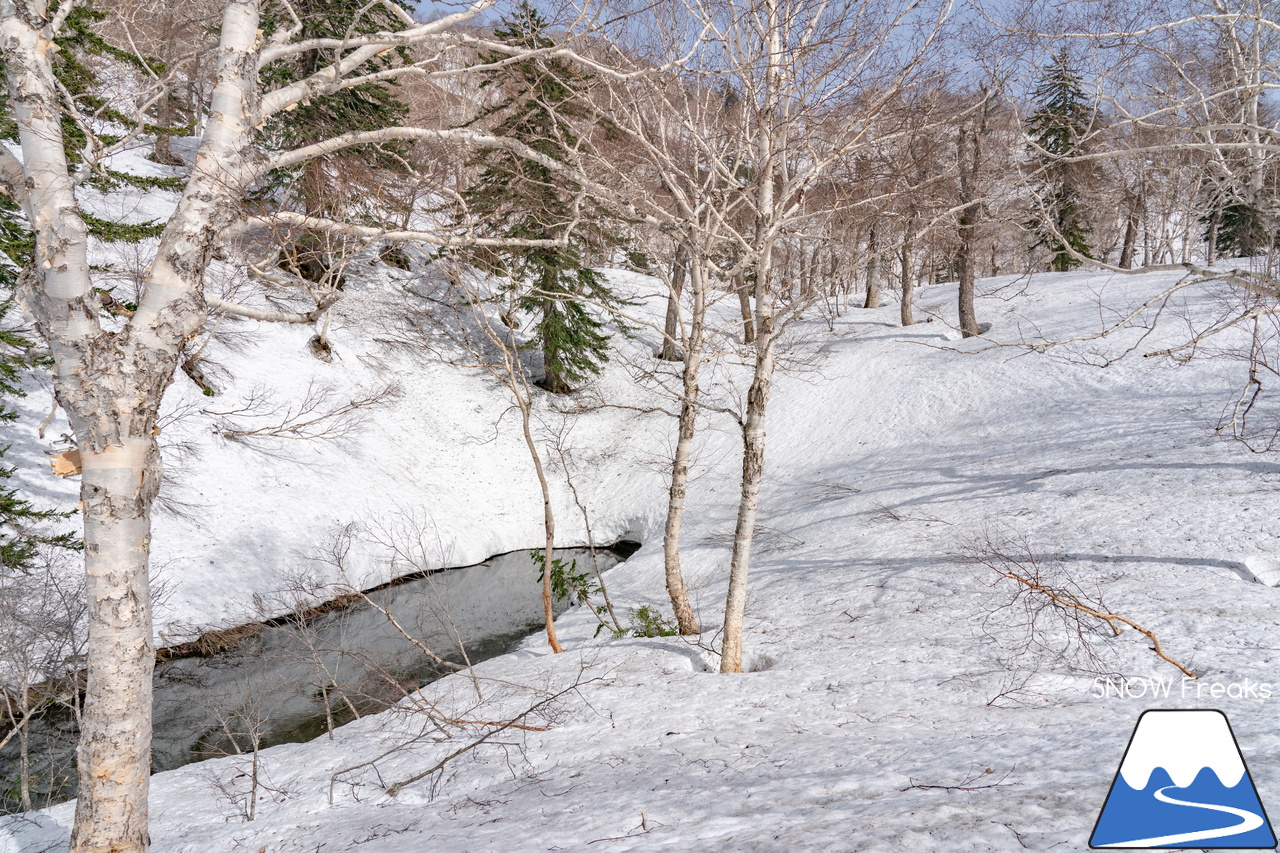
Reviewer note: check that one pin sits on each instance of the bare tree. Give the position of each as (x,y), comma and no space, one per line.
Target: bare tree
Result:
(110,374)
(969,161)
(775,55)
(41,640)
(180,37)
(1058,618)
(672,160)
(671,329)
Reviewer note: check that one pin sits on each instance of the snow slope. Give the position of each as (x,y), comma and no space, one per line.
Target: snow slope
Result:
(881,714)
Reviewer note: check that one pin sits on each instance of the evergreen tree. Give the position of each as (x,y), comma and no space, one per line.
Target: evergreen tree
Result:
(1237,228)
(1241,201)
(78,47)
(321,186)
(23,528)
(518,199)
(1057,128)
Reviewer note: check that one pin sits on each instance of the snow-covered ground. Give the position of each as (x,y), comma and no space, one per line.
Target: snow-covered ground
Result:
(881,713)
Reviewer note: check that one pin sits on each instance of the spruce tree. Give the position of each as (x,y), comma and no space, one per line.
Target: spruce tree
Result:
(1058,128)
(1237,228)
(317,186)
(79,47)
(23,528)
(519,199)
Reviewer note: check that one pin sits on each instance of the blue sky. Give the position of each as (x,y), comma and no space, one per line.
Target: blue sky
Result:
(436,8)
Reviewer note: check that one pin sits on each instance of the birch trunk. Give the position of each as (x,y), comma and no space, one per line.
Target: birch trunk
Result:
(771,157)
(110,385)
(524,401)
(873,272)
(908,280)
(966,226)
(749,501)
(549,546)
(685,619)
(119,483)
(744,304)
(671,330)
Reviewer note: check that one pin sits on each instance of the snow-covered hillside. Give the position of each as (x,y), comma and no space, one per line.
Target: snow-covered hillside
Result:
(881,713)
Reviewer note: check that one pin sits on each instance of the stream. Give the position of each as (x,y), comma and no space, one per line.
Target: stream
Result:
(292,679)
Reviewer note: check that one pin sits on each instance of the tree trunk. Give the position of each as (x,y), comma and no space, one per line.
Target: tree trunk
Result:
(119,483)
(548,524)
(908,280)
(968,317)
(804,273)
(768,155)
(1130,237)
(753,437)
(24,754)
(552,380)
(110,384)
(162,151)
(744,304)
(1215,220)
(685,618)
(520,387)
(873,272)
(671,330)
(169,32)
(969,145)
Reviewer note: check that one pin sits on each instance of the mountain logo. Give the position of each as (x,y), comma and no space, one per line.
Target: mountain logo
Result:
(1182,783)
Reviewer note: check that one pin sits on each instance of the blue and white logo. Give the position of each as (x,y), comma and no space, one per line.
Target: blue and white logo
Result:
(1183,783)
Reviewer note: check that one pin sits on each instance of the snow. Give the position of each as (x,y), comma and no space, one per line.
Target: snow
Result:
(880,713)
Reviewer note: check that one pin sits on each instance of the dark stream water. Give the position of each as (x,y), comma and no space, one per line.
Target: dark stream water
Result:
(291,680)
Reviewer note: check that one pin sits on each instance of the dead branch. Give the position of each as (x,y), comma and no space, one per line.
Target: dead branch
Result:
(319,416)
(512,723)
(1014,560)
(967,783)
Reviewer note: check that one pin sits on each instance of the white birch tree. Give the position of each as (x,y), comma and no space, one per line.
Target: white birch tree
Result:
(110,374)
(734,113)
(796,64)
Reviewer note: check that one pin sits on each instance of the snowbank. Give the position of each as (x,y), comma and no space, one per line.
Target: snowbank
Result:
(881,714)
